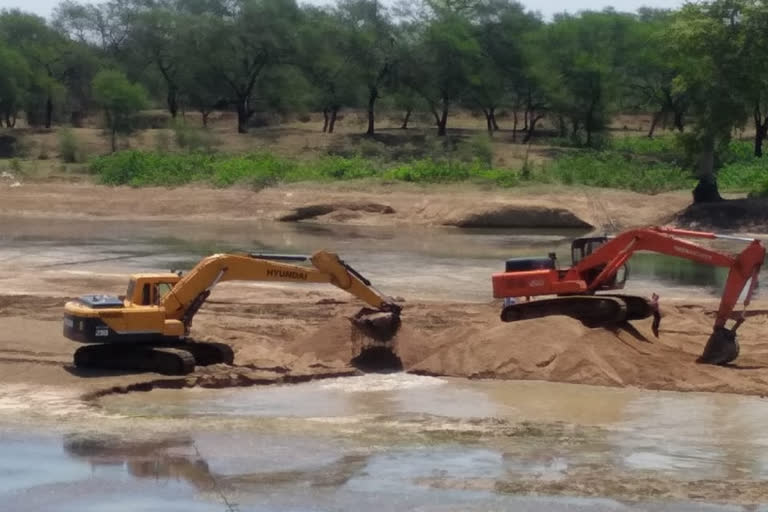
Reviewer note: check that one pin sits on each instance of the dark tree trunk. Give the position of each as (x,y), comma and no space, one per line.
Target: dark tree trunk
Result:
(493,119)
(332,122)
(655,121)
(514,125)
(204,115)
(442,123)
(761,130)
(407,117)
(525,119)
(759,137)
(244,113)
(172,100)
(562,127)
(679,121)
(706,190)
(531,127)
(488,122)
(325,120)
(373,94)
(113,139)
(48,111)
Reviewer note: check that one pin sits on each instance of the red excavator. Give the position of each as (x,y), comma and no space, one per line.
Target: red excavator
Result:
(599,264)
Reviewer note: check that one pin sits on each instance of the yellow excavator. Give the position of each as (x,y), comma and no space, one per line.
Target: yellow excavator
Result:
(148,328)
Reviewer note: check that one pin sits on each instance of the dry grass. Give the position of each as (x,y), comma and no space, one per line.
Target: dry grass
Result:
(301,136)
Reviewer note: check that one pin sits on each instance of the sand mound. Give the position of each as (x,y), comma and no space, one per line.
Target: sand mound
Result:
(336,211)
(563,350)
(279,342)
(506,216)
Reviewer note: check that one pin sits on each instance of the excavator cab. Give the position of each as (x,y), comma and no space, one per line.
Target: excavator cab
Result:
(149,289)
(583,247)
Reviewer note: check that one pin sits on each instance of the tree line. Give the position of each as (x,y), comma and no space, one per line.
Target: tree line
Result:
(700,69)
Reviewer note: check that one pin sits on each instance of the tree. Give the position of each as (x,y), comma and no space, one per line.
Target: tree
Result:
(14,80)
(324,57)
(119,98)
(439,62)
(651,69)
(711,38)
(44,50)
(240,46)
(155,34)
(372,51)
(756,81)
(501,28)
(580,64)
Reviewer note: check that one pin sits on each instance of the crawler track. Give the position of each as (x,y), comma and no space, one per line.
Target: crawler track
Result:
(592,310)
(179,359)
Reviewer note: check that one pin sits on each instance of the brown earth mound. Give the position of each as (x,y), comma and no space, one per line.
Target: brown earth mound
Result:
(732,214)
(506,216)
(347,208)
(562,349)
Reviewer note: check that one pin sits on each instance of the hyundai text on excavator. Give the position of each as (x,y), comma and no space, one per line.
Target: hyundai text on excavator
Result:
(600,264)
(148,328)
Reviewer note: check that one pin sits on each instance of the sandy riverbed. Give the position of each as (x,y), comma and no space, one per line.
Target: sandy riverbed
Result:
(289,335)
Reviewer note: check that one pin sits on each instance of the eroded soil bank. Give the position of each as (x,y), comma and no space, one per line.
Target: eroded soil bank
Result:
(353,203)
(291,335)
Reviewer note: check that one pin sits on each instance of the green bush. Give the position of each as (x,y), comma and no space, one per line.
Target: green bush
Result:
(69,147)
(478,147)
(598,169)
(613,170)
(193,138)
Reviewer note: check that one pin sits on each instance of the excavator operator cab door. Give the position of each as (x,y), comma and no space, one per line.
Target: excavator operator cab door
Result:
(148,291)
(583,247)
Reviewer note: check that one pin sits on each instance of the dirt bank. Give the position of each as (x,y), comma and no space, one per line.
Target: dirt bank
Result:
(352,203)
(749,215)
(289,335)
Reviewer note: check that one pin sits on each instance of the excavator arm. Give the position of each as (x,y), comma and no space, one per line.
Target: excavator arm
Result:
(744,266)
(188,295)
(743,270)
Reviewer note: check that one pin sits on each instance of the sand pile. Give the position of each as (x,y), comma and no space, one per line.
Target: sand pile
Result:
(562,349)
(301,339)
(468,340)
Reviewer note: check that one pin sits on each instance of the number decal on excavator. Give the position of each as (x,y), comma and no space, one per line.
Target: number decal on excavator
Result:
(102,331)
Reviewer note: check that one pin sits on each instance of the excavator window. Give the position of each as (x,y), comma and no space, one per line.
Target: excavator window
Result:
(583,247)
(161,290)
(146,295)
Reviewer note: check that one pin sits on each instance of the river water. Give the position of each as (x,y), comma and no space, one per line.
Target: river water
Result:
(380,441)
(426,263)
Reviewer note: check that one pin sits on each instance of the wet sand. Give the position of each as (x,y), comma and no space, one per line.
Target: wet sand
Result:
(295,334)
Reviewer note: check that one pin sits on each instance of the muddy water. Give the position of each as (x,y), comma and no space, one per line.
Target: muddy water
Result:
(428,263)
(388,442)
(385,442)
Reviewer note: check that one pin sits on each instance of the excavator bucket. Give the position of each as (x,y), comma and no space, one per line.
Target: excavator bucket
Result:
(377,324)
(721,348)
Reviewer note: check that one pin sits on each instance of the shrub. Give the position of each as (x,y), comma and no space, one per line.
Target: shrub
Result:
(193,138)
(613,170)
(478,147)
(69,147)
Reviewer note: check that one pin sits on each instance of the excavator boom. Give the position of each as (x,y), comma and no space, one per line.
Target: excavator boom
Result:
(598,270)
